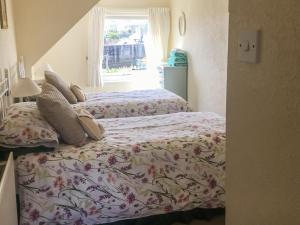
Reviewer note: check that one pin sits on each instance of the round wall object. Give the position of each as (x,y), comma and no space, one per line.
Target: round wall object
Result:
(182,24)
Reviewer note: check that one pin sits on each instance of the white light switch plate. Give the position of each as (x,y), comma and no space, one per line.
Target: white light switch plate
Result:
(248,46)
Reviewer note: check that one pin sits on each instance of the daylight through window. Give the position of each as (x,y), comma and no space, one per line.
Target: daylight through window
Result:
(124,47)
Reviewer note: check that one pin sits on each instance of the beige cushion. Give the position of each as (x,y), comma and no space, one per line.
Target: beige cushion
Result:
(55,108)
(90,125)
(78,92)
(61,85)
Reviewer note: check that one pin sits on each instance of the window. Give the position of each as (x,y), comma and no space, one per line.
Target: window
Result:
(124,46)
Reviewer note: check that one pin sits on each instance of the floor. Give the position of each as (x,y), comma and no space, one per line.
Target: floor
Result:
(216,221)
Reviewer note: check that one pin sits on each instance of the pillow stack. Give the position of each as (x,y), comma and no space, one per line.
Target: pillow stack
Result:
(55,108)
(61,85)
(72,93)
(54,105)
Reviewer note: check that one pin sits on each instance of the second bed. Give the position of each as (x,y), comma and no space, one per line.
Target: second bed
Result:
(133,104)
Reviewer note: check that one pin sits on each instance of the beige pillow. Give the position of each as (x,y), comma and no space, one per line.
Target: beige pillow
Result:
(55,108)
(61,85)
(90,125)
(78,92)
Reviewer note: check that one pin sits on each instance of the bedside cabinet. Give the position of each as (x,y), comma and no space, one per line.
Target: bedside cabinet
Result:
(175,79)
(8,203)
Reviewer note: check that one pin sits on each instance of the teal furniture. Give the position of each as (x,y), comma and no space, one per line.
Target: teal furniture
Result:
(175,79)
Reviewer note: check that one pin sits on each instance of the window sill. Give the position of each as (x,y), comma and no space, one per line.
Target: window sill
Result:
(119,78)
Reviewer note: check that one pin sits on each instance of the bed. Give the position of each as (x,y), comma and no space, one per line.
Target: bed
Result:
(124,104)
(144,166)
(119,104)
(133,103)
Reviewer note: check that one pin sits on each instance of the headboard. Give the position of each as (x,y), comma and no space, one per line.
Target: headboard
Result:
(8,78)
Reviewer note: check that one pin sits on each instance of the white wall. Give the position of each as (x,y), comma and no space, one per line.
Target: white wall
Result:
(41,23)
(68,55)
(263,116)
(206,42)
(8,53)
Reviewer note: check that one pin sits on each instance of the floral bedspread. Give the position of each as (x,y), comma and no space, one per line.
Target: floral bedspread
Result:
(134,103)
(144,166)
(24,126)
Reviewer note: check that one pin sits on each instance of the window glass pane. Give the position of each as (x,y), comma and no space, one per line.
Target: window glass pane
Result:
(124,46)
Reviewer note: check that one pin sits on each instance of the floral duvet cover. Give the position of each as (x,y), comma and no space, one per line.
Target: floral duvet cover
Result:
(144,166)
(134,103)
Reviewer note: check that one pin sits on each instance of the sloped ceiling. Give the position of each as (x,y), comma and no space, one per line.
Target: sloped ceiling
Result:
(41,23)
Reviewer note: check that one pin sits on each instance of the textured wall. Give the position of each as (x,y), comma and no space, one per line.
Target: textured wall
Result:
(8,53)
(263,152)
(41,23)
(206,42)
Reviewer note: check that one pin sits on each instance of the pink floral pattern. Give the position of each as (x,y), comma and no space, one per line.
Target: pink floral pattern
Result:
(23,126)
(134,103)
(144,166)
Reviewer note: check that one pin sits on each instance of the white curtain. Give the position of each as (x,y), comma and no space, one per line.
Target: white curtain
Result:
(95,46)
(158,37)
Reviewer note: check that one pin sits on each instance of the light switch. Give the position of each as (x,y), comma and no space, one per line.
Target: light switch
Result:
(248,46)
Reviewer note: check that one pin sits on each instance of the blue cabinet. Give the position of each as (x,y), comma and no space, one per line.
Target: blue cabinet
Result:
(175,79)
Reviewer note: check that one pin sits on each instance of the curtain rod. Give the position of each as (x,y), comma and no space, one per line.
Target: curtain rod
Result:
(138,12)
